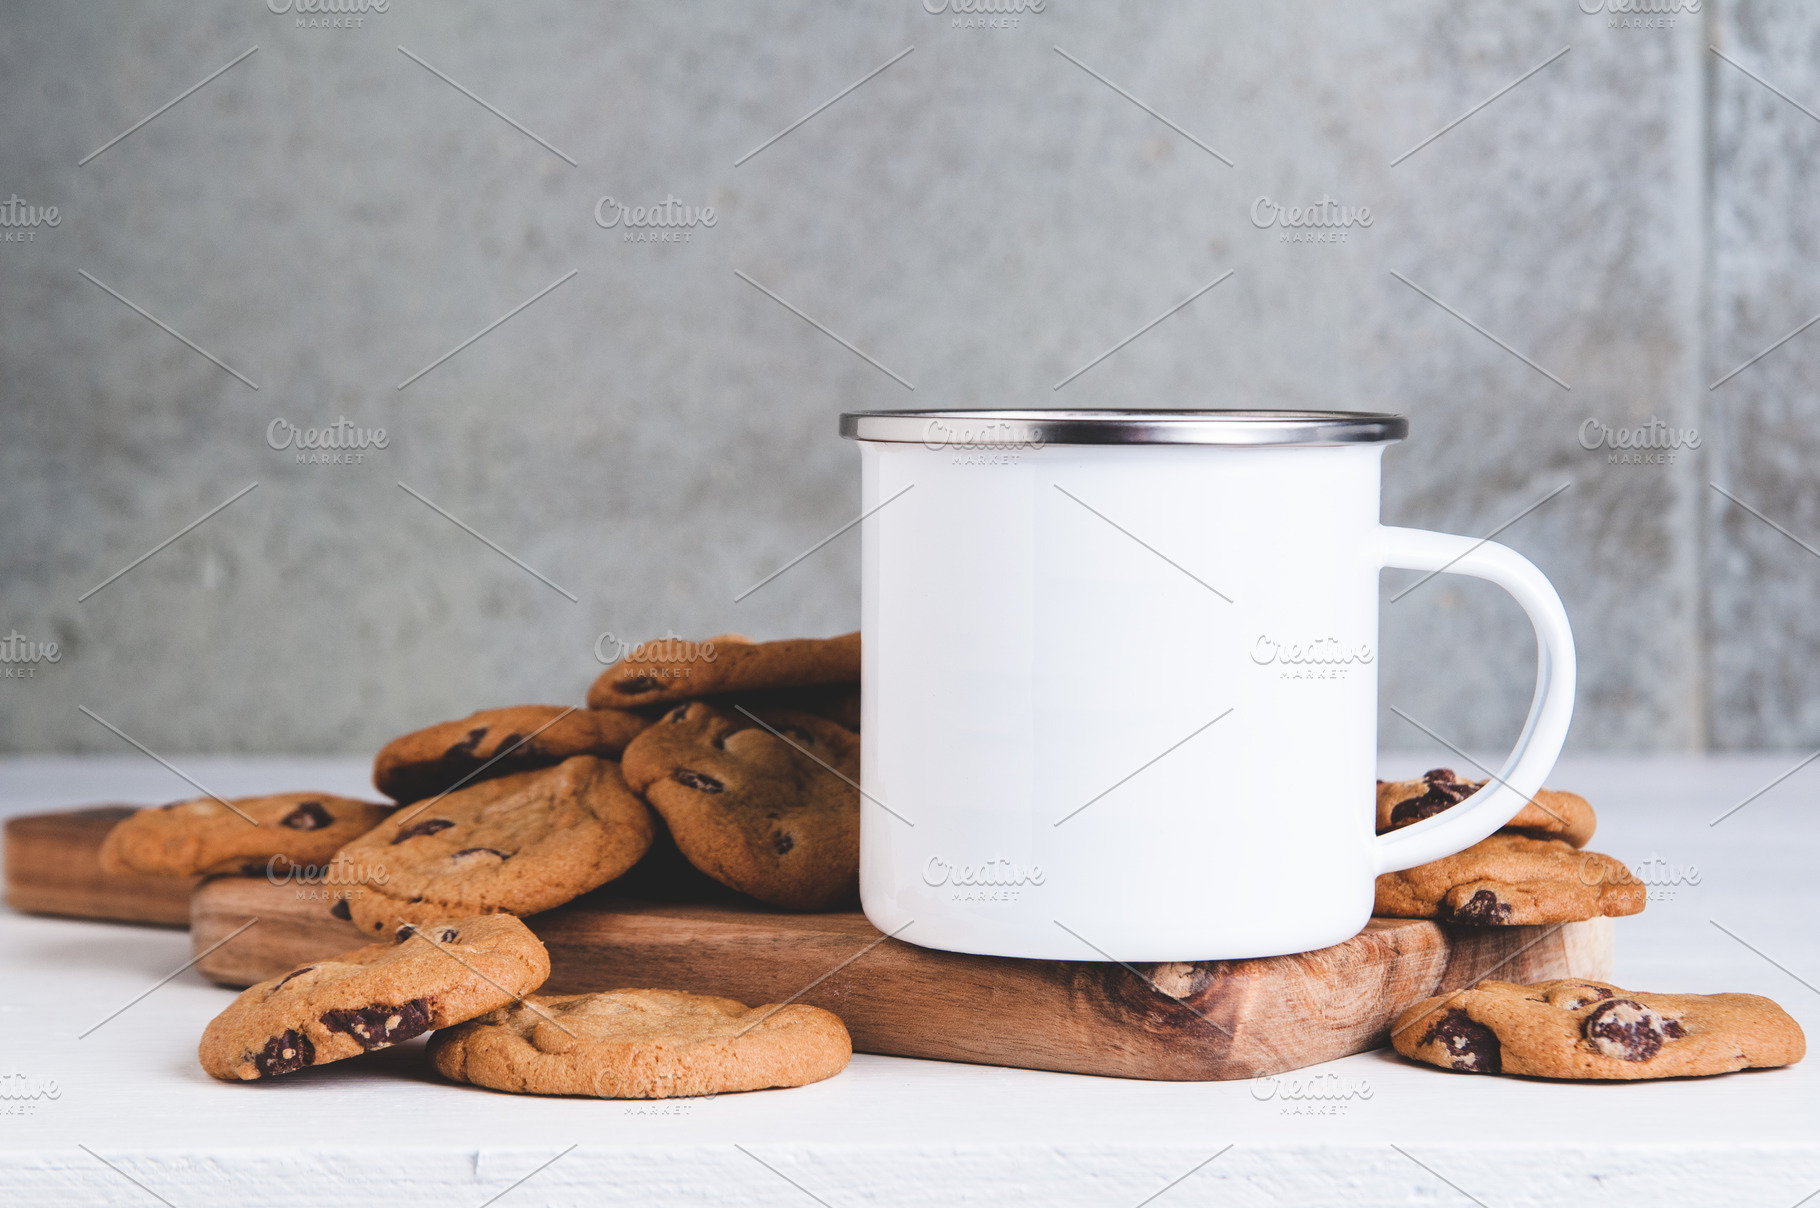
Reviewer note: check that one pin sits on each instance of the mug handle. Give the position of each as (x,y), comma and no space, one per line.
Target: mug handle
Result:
(1549,713)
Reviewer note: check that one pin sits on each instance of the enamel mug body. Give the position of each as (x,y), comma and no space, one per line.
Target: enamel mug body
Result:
(1120,681)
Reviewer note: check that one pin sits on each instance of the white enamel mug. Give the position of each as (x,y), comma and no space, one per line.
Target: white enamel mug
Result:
(1120,681)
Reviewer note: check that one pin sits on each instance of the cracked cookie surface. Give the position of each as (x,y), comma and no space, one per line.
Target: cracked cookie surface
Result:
(1511,880)
(642,1044)
(520,843)
(435,976)
(672,670)
(1594,1030)
(1548,815)
(498,742)
(774,815)
(204,836)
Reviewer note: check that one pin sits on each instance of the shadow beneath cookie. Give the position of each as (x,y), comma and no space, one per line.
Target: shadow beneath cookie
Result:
(1388,1055)
(407,1062)
(665,875)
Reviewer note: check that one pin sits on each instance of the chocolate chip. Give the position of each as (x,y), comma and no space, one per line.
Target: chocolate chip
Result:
(1626,1029)
(1444,792)
(447,935)
(285,1053)
(341,910)
(637,685)
(377,1026)
(467,745)
(428,826)
(1484,909)
(1583,994)
(309,815)
(697,780)
(298,973)
(475,851)
(680,713)
(404,932)
(1469,1045)
(784,843)
(1672,1029)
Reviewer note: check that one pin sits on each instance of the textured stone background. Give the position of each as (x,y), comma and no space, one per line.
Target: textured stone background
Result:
(983,218)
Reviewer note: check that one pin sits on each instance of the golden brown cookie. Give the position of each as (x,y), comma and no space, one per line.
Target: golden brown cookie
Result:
(524,843)
(498,742)
(188,838)
(1588,1029)
(1547,815)
(674,670)
(760,812)
(642,1044)
(839,703)
(1511,880)
(448,971)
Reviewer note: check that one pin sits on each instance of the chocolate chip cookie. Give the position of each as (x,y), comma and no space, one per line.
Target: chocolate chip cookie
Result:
(774,815)
(642,1044)
(436,976)
(522,843)
(498,742)
(674,670)
(1548,815)
(1592,1030)
(1511,880)
(287,831)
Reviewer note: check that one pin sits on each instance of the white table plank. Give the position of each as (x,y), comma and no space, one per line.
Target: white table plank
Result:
(381,1129)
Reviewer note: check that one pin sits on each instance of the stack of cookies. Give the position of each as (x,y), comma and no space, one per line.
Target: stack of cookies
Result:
(1531,871)
(471,980)
(741,756)
(1534,870)
(738,757)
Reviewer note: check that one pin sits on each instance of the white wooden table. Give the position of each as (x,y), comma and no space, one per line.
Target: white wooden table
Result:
(91,1110)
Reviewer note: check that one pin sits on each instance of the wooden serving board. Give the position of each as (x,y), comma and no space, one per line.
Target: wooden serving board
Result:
(52,868)
(1181,1021)
(1207,1020)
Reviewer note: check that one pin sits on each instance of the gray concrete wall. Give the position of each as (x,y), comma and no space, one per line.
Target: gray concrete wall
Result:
(982,218)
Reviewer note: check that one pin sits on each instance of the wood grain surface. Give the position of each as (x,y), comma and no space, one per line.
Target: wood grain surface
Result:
(1183,1021)
(52,868)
